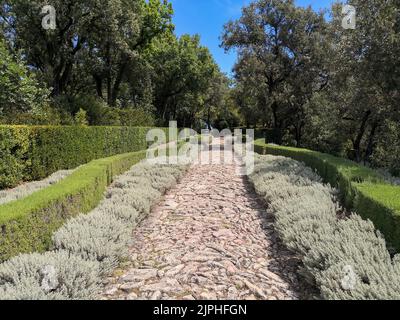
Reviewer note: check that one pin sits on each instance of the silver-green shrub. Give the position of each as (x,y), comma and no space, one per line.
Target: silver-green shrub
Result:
(98,237)
(104,234)
(160,177)
(346,258)
(355,244)
(132,195)
(90,246)
(49,276)
(140,200)
(125,212)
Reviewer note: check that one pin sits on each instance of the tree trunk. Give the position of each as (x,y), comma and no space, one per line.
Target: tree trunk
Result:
(65,76)
(62,72)
(57,78)
(370,147)
(360,136)
(118,81)
(274,108)
(277,130)
(209,118)
(299,134)
(164,114)
(99,85)
(109,80)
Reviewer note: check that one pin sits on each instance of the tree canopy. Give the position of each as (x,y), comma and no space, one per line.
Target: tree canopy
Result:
(19,88)
(317,84)
(104,56)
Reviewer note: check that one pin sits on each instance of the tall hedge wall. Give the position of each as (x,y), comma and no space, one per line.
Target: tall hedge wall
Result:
(34,152)
(362,189)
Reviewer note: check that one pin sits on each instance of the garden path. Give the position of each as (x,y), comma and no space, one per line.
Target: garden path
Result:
(210,238)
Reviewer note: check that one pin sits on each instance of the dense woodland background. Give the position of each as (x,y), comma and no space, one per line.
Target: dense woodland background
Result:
(299,73)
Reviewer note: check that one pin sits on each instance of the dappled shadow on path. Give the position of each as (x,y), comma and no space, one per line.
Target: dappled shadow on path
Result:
(283,262)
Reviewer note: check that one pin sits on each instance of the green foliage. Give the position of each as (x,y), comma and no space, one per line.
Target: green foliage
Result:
(45,115)
(280,60)
(118,60)
(185,76)
(14,149)
(81,118)
(135,117)
(97,43)
(28,224)
(33,153)
(100,114)
(19,89)
(319,85)
(387,155)
(362,189)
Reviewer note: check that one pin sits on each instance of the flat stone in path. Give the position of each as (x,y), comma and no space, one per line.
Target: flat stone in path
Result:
(210,238)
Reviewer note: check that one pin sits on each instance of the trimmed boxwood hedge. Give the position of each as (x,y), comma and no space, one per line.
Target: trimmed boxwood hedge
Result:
(362,189)
(27,225)
(34,152)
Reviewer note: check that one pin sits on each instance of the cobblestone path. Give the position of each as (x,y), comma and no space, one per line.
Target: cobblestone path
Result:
(210,238)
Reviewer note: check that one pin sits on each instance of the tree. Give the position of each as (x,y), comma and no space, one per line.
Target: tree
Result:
(365,69)
(101,38)
(116,50)
(19,88)
(215,99)
(318,84)
(279,42)
(183,73)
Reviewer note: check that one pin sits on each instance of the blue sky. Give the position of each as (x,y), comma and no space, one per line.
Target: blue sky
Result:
(207,17)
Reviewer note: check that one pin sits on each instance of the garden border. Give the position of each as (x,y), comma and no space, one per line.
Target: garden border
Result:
(27,225)
(362,189)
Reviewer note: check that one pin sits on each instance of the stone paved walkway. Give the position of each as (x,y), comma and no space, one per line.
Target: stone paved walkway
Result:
(209,239)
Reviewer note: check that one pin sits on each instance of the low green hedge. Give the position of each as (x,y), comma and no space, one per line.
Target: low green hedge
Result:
(34,152)
(362,189)
(27,225)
